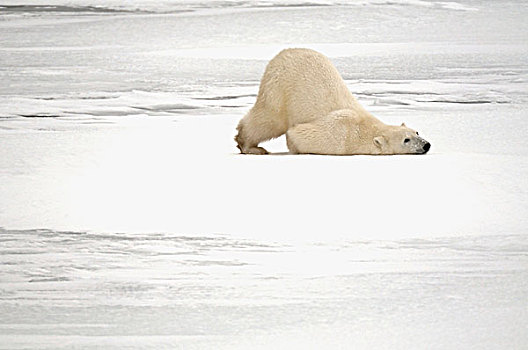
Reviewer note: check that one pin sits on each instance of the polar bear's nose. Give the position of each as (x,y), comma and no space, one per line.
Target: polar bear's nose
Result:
(426,147)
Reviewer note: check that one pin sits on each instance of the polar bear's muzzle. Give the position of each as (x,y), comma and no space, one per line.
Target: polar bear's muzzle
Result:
(424,145)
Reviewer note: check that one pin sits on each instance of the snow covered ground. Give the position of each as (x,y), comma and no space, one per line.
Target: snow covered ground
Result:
(127,218)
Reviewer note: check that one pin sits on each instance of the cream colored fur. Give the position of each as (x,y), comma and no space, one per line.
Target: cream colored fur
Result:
(303,94)
(348,131)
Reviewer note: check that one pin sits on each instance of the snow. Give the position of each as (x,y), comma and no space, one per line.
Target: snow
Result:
(107,177)
(128,219)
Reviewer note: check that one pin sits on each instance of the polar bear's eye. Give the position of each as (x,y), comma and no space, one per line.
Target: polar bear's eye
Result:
(417,133)
(406,140)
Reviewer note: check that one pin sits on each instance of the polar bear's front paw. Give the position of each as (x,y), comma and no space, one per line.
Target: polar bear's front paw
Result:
(255,150)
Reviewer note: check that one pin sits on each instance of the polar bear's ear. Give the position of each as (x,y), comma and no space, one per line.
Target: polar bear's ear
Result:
(379,141)
(403,124)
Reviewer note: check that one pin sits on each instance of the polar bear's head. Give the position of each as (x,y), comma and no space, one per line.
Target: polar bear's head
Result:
(400,140)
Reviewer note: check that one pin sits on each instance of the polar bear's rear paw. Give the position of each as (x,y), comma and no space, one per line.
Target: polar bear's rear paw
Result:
(255,150)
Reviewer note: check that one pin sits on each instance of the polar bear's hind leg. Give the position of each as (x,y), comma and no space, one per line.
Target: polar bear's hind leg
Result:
(245,147)
(254,129)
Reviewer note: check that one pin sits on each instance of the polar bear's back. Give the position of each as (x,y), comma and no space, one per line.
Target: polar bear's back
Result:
(301,85)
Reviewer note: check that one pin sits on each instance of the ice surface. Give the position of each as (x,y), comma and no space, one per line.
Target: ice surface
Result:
(171,6)
(128,220)
(91,290)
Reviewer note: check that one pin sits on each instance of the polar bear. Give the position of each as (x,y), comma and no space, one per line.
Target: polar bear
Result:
(348,131)
(302,95)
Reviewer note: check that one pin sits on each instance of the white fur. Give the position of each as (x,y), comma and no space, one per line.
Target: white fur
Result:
(303,94)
